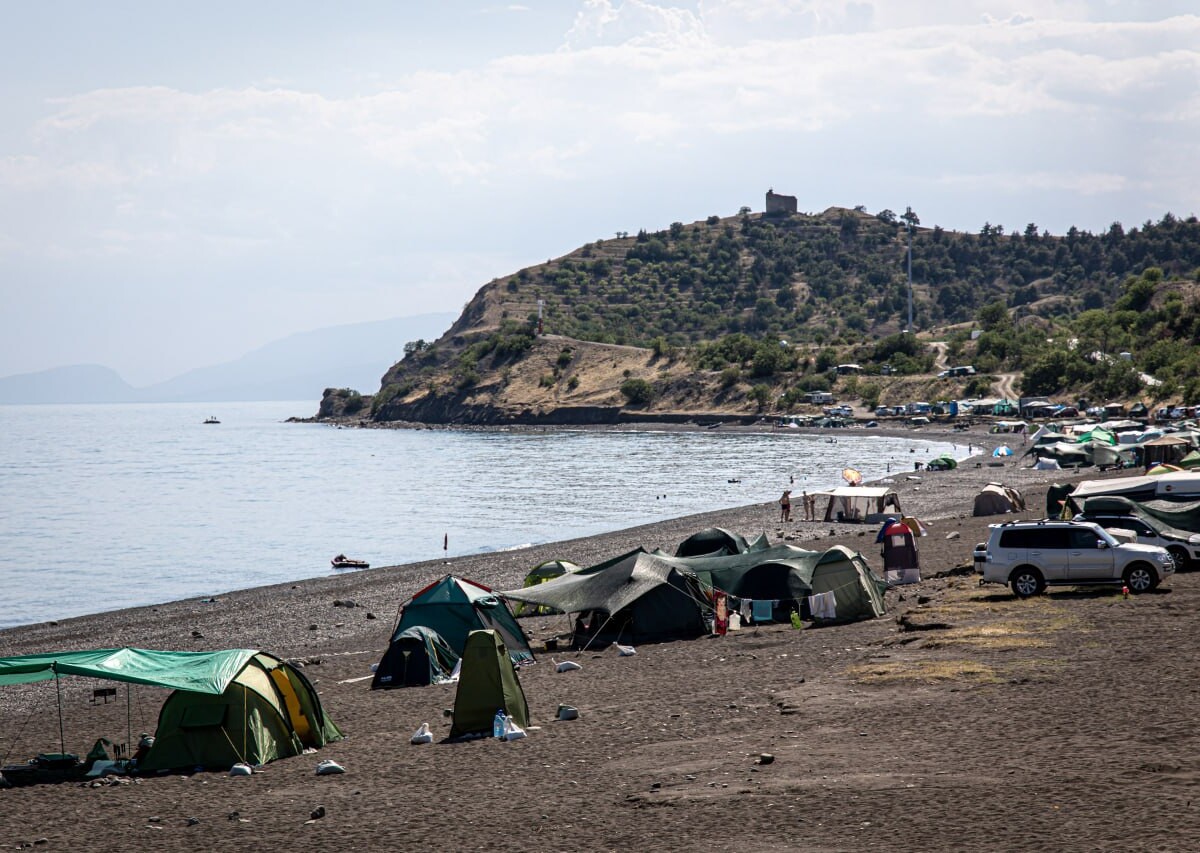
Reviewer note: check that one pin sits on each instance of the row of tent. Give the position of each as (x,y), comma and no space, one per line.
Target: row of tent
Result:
(638,597)
(1117,446)
(248,706)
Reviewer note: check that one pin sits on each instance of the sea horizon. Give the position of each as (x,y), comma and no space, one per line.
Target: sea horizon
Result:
(130,504)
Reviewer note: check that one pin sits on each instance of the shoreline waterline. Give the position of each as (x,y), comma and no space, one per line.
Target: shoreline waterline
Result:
(126,506)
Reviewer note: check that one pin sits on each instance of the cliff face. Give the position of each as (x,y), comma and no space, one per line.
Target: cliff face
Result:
(556,380)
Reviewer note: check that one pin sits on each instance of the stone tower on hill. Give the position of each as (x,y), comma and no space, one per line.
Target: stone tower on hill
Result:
(780,205)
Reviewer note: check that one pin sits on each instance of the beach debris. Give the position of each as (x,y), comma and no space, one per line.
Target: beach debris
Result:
(192,821)
(765,758)
(953,534)
(338,602)
(241,769)
(234,815)
(566,712)
(423,735)
(371,615)
(197,634)
(329,767)
(317,813)
(312,627)
(565,666)
(625,651)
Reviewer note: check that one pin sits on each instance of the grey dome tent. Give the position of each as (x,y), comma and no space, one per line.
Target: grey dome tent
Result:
(417,656)
(715,540)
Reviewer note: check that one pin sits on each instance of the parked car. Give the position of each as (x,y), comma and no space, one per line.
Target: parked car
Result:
(1183,547)
(1031,555)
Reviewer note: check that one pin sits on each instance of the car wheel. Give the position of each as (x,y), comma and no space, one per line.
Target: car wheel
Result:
(1140,577)
(1026,581)
(1180,556)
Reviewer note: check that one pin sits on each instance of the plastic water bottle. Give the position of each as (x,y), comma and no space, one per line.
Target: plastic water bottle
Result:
(498,723)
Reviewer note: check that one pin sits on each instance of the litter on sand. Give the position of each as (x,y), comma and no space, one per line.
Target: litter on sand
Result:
(423,735)
(328,767)
(565,666)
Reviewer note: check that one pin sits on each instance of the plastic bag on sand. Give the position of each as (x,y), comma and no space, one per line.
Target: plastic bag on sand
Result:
(625,651)
(565,666)
(423,735)
(241,770)
(328,766)
(512,731)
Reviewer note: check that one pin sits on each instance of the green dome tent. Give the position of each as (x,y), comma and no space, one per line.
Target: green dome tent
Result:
(237,705)
(453,607)
(541,573)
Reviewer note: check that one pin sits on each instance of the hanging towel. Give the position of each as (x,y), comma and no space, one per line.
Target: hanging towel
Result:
(744,609)
(823,605)
(762,611)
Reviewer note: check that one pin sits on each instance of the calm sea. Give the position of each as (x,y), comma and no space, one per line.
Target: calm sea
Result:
(109,506)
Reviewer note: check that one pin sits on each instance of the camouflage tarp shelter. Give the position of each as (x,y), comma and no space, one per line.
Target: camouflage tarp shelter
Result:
(542,572)
(635,598)
(237,705)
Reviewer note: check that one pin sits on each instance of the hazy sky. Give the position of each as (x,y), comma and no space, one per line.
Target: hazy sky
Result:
(181,182)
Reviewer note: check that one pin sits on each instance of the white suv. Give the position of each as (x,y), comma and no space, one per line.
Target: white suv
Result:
(1030,555)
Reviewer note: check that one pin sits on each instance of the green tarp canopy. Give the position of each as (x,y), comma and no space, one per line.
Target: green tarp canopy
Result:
(225,706)
(195,672)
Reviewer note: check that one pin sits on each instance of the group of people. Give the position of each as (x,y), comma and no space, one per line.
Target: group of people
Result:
(808,501)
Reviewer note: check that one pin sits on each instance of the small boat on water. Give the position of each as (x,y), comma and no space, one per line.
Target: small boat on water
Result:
(211,419)
(341,561)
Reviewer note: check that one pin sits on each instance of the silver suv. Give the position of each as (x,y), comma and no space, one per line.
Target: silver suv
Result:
(1030,555)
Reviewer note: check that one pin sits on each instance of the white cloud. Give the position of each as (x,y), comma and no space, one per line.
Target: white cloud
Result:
(645,113)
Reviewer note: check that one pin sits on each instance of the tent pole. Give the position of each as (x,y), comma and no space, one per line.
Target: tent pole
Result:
(128,714)
(62,741)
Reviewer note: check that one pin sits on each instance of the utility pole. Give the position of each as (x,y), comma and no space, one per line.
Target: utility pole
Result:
(908,222)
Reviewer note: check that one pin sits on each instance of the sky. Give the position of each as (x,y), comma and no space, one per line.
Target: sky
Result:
(181,183)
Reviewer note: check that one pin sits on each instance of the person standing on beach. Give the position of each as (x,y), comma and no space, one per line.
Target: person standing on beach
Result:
(785,506)
(810,507)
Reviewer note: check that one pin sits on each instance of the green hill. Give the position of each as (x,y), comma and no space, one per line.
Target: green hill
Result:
(745,313)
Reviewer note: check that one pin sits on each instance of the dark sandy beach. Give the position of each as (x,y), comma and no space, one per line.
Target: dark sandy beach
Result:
(963,720)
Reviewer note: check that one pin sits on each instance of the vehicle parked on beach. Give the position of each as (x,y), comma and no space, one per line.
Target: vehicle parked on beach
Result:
(1031,555)
(1183,547)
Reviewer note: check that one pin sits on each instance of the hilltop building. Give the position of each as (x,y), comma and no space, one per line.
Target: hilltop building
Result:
(780,205)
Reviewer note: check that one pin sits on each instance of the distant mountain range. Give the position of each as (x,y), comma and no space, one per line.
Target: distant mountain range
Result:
(298,367)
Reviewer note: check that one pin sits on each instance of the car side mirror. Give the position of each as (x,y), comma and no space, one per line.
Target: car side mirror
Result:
(1101,544)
